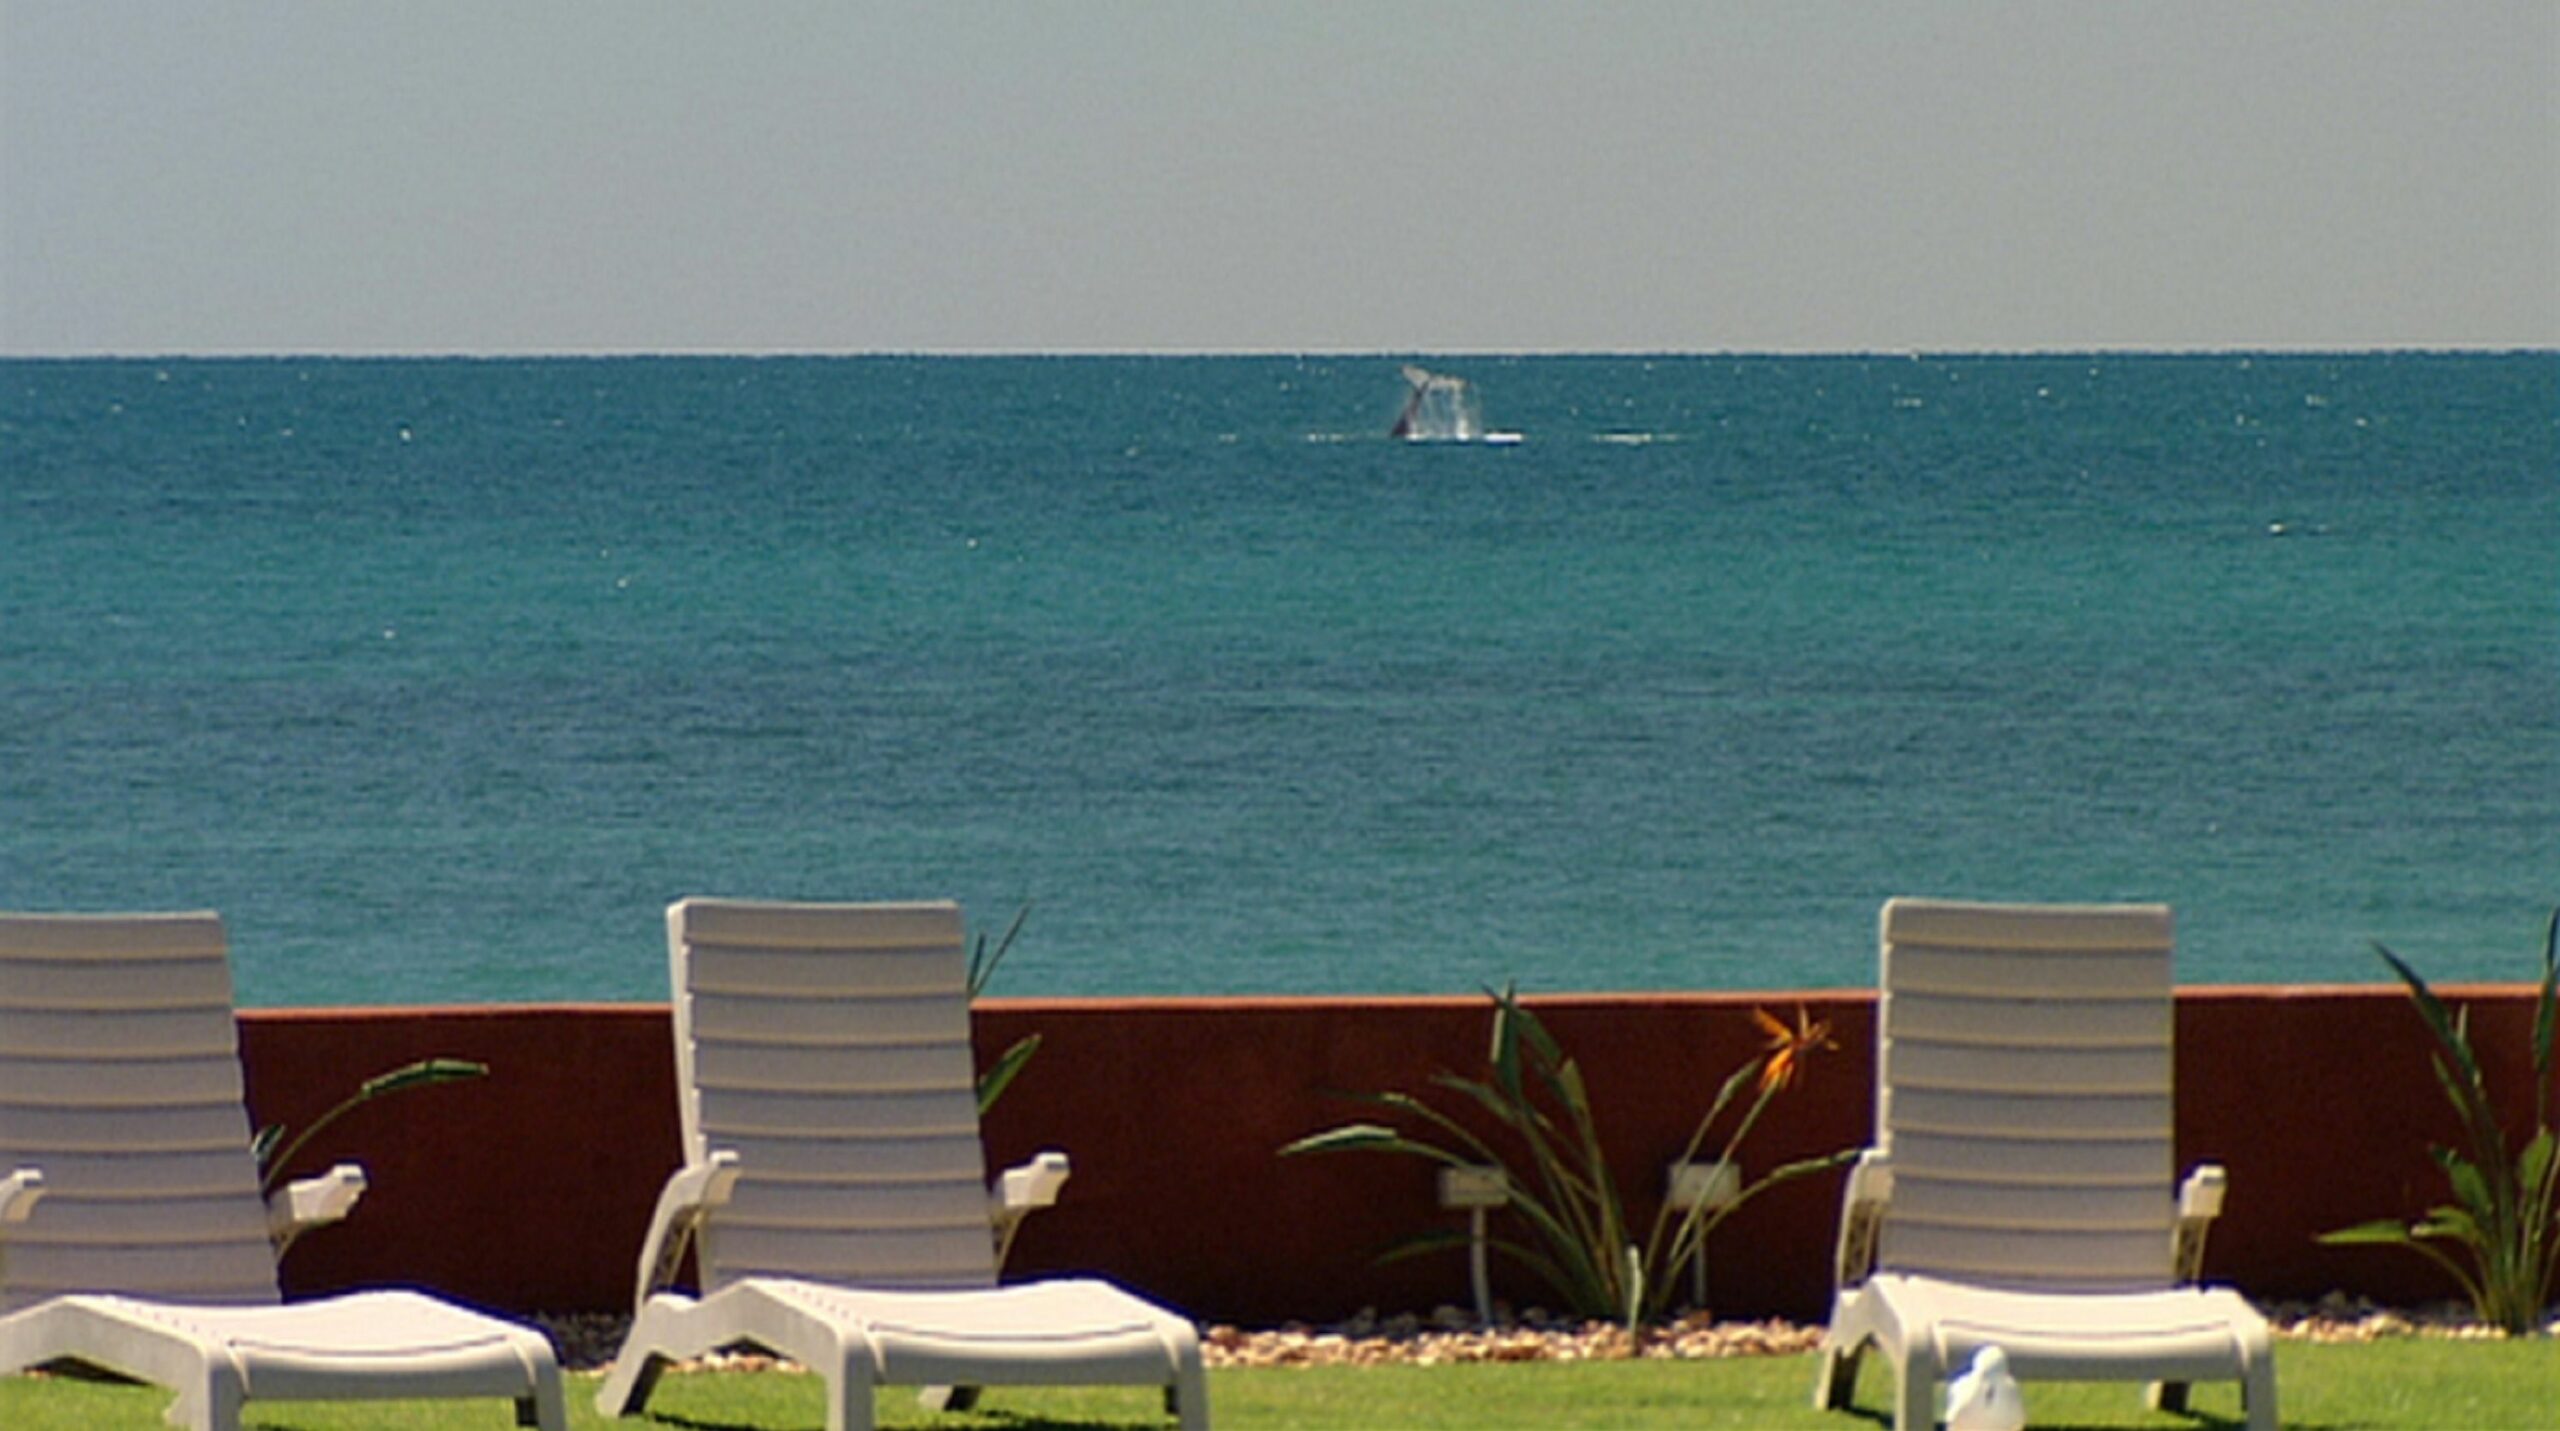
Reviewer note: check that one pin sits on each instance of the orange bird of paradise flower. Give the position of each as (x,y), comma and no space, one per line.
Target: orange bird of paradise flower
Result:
(1789,1047)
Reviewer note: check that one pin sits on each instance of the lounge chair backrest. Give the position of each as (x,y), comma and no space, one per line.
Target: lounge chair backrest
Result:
(120,1082)
(828,1046)
(2024,1069)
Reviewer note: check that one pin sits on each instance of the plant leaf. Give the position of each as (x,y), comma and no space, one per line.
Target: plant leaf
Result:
(425,1073)
(1352,1138)
(1504,1055)
(1804,1168)
(1534,1129)
(982,964)
(2380,1232)
(1534,1030)
(2470,1185)
(1575,1290)
(2535,1167)
(1001,1073)
(1456,1132)
(1685,1226)
(2449,1224)
(2450,1037)
(1422,1244)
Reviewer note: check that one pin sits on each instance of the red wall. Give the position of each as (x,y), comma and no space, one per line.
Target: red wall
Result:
(531,1190)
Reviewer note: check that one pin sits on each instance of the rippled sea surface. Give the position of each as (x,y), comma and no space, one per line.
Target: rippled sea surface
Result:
(440,678)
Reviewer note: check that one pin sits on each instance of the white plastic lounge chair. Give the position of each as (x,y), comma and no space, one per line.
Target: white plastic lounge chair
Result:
(136,1241)
(2019,1191)
(834,1185)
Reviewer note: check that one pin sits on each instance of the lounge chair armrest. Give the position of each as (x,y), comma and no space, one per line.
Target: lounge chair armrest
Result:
(2200,1197)
(2199,1203)
(1023,1190)
(1020,1192)
(1862,1209)
(691,1193)
(19,1194)
(300,1206)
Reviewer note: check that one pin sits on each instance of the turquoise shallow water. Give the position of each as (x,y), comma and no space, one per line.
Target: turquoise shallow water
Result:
(441,678)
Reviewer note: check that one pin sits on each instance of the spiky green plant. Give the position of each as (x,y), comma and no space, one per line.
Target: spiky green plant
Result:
(425,1073)
(2504,1220)
(273,1160)
(982,967)
(1581,1243)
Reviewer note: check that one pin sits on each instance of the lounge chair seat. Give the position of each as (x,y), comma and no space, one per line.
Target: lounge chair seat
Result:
(2181,1334)
(138,1243)
(361,1346)
(834,1187)
(1067,1331)
(2018,1194)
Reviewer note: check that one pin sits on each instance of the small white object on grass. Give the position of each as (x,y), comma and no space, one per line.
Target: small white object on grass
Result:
(1986,1397)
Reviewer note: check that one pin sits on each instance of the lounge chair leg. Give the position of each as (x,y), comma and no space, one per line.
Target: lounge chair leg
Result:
(2168,1396)
(546,1408)
(1187,1399)
(212,1404)
(852,1396)
(948,1398)
(2258,1393)
(1915,1391)
(1835,1384)
(627,1388)
(1915,1404)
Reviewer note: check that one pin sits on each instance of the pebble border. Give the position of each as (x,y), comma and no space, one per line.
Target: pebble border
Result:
(1450,1336)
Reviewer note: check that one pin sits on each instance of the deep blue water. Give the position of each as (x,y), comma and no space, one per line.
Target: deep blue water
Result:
(440,678)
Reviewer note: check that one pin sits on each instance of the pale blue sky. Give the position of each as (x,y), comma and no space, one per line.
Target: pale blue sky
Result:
(510,178)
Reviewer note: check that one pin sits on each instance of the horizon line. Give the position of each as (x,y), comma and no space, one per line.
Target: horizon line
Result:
(1382,354)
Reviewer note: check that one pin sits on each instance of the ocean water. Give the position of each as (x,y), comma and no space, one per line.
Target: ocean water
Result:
(440,678)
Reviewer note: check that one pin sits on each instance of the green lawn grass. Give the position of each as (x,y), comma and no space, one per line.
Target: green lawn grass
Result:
(2474,1386)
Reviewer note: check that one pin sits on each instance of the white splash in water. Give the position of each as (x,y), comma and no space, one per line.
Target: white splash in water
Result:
(1440,408)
